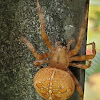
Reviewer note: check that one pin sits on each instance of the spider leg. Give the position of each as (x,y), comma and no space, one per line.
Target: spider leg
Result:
(93,48)
(58,43)
(82,66)
(85,57)
(69,43)
(78,87)
(40,62)
(81,34)
(34,52)
(43,34)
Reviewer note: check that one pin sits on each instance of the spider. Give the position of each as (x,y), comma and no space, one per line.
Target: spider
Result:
(56,81)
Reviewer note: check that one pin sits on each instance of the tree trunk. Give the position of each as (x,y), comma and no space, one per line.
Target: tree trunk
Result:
(63,22)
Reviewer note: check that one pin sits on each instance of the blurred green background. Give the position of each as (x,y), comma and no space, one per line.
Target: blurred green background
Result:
(92,84)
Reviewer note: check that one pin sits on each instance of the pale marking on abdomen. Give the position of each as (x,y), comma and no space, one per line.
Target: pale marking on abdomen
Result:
(51,83)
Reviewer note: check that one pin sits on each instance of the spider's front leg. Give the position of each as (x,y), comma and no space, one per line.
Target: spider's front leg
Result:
(43,34)
(78,87)
(34,52)
(81,35)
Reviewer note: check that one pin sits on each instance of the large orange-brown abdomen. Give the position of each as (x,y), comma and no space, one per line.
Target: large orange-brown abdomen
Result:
(54,84)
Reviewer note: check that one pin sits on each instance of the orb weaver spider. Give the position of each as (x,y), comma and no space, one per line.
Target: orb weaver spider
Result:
(56,81)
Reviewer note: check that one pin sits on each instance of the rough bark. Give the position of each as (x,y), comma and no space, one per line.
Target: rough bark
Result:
(63,21)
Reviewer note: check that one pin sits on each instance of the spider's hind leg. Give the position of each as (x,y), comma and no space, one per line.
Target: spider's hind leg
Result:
(85,57)
(82,66)
(78,87)
(93,49)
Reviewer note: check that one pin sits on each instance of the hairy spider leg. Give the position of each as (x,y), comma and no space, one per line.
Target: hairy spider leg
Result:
(69,43)
(58,43)
(81,35)
(40,62)
(42,23)
(85,57)
(78,87)
(34,52)
(82,66)
(93,49)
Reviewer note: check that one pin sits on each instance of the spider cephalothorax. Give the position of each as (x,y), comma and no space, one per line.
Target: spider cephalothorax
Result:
(56,81)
